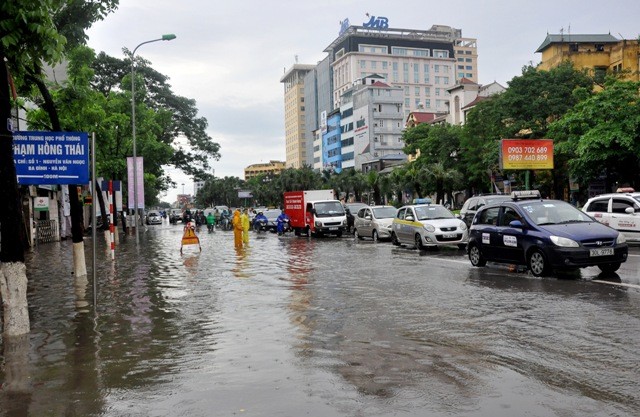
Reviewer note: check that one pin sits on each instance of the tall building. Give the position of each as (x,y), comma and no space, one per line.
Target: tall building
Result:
(600,54)
(422,62)
(378,121)
(294,115)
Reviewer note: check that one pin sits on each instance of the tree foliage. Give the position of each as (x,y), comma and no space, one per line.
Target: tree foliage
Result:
(601,135)
(185,131)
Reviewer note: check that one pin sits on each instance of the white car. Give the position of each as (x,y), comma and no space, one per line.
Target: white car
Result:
(428,225)
(620,211)
(374,222)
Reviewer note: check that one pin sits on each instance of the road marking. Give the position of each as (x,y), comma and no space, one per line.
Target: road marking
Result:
(619,284)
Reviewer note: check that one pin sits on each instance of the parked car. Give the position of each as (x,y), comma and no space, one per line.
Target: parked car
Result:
(352,210)
(471,206)
(153,217)
(543,235)
(374,222)
(272,217)
(428,225)
(620,211)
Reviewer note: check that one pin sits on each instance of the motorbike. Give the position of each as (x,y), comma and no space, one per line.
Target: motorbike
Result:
(286,226)
(225,223)
(260,225)
(211,227)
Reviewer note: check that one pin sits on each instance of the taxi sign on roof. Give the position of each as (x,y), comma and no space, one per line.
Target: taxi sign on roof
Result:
(526,194)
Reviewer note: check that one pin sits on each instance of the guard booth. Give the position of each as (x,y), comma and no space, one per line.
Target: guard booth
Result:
(44,209)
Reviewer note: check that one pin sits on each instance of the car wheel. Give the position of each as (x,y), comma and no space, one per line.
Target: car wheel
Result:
(475,256)
(609,268)
(356,234)
(538,263)
(418,242)
(462,246)
(374,235)
(394,239)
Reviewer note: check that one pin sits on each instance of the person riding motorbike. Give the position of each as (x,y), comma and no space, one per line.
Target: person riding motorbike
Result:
(225,220)
(260,222)
(282,223)
(211,221)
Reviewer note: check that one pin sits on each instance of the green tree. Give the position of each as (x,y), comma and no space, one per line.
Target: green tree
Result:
(30,35)
(601,135)
(184,130)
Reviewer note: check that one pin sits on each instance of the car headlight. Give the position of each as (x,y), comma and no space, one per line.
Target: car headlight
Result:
(621,239)
(344,222)
(429,228)
(462,226)
(564,242)
(318,224)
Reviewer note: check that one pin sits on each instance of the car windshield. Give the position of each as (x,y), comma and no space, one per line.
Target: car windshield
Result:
(554,212)
(384,212)
(329,209)
(433,213)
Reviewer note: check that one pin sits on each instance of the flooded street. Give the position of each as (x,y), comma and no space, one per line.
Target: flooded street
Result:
(318,327)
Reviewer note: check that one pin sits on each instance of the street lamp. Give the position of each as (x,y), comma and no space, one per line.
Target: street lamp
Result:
(167,37)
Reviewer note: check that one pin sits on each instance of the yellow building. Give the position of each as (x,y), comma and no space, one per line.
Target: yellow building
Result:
(271,168)
(600,54)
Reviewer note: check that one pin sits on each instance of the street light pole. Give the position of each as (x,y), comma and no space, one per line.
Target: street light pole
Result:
(167,37)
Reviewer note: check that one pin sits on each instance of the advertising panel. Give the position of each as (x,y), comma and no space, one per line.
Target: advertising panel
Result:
(139,179)
(526,154)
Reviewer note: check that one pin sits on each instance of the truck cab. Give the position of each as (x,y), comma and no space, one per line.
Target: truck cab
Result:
(315,213)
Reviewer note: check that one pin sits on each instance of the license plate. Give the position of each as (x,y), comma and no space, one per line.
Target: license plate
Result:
(333,228)
(601,252)
(449,235)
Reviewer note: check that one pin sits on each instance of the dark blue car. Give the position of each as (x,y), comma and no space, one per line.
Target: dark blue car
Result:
(543,235)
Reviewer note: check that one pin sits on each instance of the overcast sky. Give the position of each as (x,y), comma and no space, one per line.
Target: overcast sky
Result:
(229,55)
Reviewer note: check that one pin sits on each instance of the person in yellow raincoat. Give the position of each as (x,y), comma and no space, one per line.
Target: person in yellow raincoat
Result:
(237,229)
(244,217)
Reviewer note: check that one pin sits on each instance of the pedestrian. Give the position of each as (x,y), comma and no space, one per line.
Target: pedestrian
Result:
(237,229)
(244,217)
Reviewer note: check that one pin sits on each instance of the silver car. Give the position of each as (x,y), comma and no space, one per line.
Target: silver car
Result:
(428,225)
(374,222)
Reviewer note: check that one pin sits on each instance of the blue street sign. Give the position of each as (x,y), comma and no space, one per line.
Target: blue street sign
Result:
(51,157)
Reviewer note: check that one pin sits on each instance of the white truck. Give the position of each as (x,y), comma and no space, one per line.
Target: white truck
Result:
(315,213)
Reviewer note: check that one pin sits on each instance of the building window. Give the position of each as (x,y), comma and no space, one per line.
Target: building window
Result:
(416,74)
(437,91)
(445,80)
(427,91)
(374,65)
(460,66)
(438,53)
(436,68)
(460,59)
(427,103)
(438,80)
(469,67)
(469,60)
(406,102)
(406,90)
(426,68)
(417,91)
(599,74)
(417,103)
(363,64)
(384,65)
(469,75)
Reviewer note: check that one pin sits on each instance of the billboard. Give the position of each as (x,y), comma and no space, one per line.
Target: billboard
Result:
(139,178)
(51,157)
(526,154)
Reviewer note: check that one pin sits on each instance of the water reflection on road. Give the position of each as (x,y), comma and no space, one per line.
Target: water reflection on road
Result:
(330,327)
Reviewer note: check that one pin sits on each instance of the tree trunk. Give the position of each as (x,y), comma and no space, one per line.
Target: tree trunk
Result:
(13,277)
(77,223)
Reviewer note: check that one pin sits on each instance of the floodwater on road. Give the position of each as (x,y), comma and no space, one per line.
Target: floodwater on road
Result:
(316,327)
